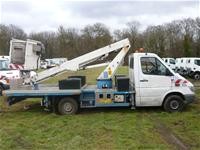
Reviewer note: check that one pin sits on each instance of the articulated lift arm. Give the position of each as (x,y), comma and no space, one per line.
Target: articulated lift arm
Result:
(77,63)
(110,70)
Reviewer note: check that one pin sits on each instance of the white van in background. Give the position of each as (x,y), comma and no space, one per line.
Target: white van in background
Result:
(59,61)
(53,62)
(170,62)
(193,67)
(181,65)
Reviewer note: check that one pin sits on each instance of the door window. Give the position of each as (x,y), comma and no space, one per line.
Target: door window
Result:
(152,66)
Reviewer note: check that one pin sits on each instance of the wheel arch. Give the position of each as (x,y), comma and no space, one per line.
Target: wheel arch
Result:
(57,99)
(70,101)
(173,93)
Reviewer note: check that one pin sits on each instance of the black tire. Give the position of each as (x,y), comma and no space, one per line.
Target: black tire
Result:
(197,76)
(67,106)
(173,103)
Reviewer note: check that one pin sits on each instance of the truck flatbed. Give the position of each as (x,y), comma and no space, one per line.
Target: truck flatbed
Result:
(53,90)
(42,90)
(89,95)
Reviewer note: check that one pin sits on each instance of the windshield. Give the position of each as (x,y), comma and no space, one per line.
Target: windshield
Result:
(4,64)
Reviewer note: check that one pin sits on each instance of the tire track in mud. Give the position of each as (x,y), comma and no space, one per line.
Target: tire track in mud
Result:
(169,137)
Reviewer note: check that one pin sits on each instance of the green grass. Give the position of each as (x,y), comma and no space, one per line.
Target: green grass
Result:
(95,128)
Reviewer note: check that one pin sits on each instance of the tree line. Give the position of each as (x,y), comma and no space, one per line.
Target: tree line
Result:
(179,38)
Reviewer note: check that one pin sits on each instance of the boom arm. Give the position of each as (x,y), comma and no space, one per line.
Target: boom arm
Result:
(112,67)
(80,61)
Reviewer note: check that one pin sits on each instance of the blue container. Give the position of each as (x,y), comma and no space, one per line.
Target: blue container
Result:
(104,83)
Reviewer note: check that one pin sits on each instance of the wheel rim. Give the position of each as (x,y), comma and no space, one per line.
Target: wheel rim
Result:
(68,107)
(174,104)
(196,76)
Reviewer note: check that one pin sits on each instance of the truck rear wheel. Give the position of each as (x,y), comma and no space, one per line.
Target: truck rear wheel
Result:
(67,106)
(173,103)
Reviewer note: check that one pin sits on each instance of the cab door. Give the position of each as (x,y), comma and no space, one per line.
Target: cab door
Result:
(155,79)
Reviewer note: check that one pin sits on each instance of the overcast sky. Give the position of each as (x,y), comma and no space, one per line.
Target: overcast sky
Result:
(45,15)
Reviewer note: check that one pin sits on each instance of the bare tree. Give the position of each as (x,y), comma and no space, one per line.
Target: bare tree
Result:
(49,39)
(95,36)
(6,34)
(155,39)
(188,30)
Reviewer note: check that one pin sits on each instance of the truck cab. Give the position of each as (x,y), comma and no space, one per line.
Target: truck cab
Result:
(25,55)
(6,73)
(156,84)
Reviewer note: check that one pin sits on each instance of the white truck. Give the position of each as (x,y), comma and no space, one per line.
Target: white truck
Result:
(170,62)
(24,57)
(50,63)
(6,73)
(59,61)
(193,67)
(150,83)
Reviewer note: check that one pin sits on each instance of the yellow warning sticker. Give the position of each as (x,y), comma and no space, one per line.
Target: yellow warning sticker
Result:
(104,100)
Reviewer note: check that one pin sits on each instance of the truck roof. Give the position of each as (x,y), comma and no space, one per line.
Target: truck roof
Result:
(167,58)
(143,54)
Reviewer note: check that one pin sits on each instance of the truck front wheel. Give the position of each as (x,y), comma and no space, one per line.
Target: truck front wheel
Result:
(173,103)
(67,106)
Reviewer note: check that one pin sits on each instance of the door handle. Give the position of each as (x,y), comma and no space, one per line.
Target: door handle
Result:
(144,80)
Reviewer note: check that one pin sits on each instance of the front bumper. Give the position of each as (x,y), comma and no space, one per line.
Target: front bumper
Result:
(189,98)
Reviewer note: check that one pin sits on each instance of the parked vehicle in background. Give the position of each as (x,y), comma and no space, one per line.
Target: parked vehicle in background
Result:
(6,73)
(193,67)
(170,62)
(181,66)
(53,62)
(50,63)
(59,61)
(43,64)
(177,64)
(25,55)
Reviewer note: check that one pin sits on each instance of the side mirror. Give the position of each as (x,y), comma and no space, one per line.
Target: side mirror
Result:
(168,73)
